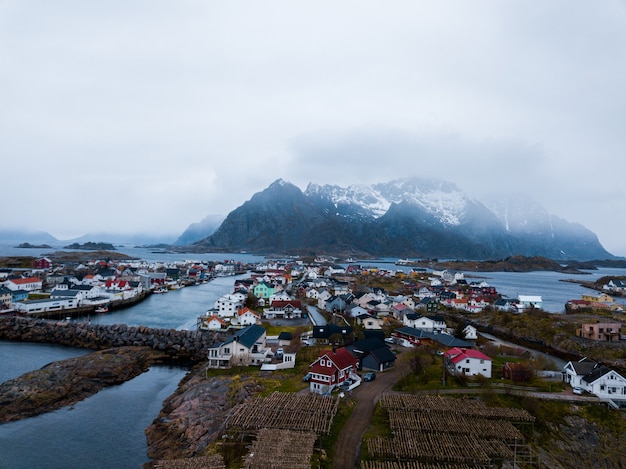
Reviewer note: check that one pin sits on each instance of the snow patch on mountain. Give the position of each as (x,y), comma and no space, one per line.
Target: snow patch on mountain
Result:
(441,199)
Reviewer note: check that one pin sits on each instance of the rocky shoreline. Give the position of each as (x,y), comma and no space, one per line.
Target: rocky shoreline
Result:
(192,417)
(66,382)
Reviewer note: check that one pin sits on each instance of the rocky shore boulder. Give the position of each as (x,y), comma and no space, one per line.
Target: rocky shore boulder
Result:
(193,416)
(68,381)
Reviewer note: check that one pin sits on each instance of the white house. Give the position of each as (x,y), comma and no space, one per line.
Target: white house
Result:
(312,293)
(596,379)
(426,323)
(228,305)
(211,323)
(529,301)
(356,311)
(469,362)
(29,284)
(322,297)
(246,317)
(246,347)
(471,333)
(370,322)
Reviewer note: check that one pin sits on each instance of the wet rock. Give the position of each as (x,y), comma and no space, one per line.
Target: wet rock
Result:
(193,416)
(68,381)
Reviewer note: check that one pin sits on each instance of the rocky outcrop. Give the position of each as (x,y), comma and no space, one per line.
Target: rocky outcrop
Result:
(183,345)
(192,417)
(68,381)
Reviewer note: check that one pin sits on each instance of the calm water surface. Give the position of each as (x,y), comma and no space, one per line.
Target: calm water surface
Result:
(103,431)
(107,429)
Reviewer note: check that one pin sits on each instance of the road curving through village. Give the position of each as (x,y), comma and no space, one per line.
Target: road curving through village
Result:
(367,395)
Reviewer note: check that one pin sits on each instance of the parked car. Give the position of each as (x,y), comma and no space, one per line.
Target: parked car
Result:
(371,376)
(579,391)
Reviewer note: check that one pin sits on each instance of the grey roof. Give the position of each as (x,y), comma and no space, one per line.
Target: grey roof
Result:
(443,339)
(247,336)
(383,355)
(367,345)
(64,294)
(596,373)
(584,366)
(285,336)
(324,332)
(436,318)
(413,316)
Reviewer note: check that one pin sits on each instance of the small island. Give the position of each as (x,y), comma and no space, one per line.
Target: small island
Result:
(33,246)
(91,246)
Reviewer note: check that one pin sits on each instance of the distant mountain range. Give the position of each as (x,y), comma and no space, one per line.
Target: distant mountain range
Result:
(414,218)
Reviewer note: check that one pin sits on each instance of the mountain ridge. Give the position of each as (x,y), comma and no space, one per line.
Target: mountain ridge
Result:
(401,218)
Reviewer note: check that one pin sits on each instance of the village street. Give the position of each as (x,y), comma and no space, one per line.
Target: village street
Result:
(367,395)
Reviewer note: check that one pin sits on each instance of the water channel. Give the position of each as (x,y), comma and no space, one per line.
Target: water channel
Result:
(105,430)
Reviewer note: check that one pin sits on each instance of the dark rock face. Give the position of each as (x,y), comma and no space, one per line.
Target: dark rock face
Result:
(193,416)
(68,381)
(283,219)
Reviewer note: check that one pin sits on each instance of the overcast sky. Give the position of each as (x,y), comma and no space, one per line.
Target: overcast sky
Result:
(139,116)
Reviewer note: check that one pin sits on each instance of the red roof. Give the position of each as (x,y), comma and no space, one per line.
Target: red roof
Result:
(323,370)
(457,354)
(245,310)
(341,358)
(23,281)
(216,318)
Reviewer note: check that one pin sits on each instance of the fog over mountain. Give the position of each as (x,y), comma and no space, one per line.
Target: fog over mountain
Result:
(198,231)
(405,217)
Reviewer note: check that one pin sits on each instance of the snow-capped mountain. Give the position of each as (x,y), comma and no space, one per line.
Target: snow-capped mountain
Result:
(400,218)
(441,199)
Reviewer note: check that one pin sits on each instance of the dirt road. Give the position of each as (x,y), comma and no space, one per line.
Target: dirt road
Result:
(348,445)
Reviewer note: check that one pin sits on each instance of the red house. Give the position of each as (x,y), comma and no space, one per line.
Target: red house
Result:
(42,263)
(332,368)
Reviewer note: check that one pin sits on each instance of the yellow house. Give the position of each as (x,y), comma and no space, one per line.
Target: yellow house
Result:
(598,298)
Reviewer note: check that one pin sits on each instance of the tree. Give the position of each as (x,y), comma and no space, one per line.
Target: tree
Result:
(459,331)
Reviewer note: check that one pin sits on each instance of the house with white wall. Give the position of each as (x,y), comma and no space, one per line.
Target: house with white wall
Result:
(246,347)
(331,369)
(227,306)
(597,379)
(29,284)
(468,362)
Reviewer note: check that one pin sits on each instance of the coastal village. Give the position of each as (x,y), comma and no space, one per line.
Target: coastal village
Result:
(356,325)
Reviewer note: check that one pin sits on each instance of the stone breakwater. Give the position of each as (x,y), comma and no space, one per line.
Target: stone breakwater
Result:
(179,345)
